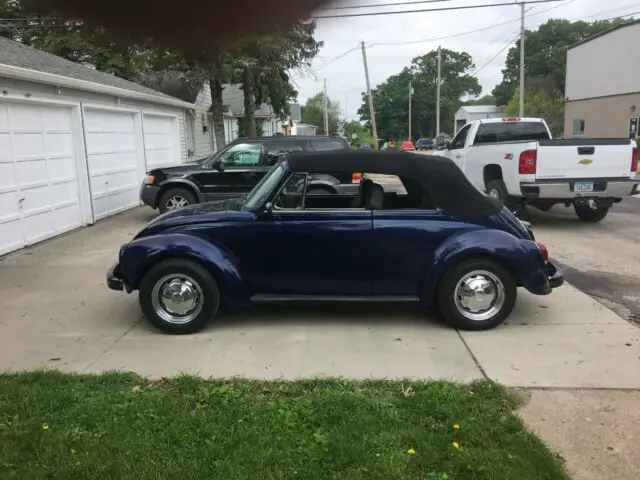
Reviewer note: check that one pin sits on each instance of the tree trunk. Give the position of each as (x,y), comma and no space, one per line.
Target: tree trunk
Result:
(217,111)
(248,87)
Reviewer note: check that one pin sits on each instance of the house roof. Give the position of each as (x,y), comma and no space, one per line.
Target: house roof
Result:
(233,99)
(605,32)
(481,109)
(28,63)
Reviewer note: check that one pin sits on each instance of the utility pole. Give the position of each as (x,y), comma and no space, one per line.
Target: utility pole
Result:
(410,95)
(326,109)
(438,81)
(521,59)
(372,114)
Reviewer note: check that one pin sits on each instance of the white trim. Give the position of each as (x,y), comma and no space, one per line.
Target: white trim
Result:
(62,81)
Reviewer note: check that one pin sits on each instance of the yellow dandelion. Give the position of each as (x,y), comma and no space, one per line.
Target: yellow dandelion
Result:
(455,445)
(45,426)
(411,451)
(456,426)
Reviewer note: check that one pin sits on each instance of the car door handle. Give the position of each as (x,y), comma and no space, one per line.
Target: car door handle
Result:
(458,155)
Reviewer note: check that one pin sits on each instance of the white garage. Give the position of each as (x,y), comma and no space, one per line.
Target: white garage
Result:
(75,143)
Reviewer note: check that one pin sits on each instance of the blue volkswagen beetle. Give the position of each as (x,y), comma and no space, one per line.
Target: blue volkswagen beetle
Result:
(440,241)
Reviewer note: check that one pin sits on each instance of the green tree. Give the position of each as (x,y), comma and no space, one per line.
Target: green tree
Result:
(262,65)
(539,103)
(313,113)
(391,98)
(483,100)
(546,54)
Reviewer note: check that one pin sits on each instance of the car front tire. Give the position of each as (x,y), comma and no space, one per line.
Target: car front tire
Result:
(176,198)
(476,294)
(588,214)
(179,296)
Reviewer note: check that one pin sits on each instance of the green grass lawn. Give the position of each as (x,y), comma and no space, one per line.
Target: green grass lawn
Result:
(55,425)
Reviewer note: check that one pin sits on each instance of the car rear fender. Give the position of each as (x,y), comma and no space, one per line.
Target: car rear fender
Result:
(137,258)
(520,257)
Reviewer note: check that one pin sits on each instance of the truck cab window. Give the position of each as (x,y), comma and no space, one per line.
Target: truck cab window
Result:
(461,138)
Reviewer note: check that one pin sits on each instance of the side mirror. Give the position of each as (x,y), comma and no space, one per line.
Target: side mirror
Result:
(218,165)
(447,145)
(268,208)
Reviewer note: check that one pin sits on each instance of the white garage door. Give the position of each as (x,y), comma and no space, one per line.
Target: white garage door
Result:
(39,195)
(114,156)
(161,141)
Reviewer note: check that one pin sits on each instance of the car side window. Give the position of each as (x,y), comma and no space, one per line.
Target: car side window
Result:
(275,150)
(242,154)
(327,145)
(461,138)
(291,197)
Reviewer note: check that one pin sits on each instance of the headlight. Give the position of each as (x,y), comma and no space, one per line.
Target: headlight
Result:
(149,179)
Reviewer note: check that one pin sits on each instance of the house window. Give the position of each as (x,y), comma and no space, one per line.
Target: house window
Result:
(578,127)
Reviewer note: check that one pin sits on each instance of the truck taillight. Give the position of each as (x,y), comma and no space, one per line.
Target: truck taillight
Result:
(356,177)
(543,251)
(634,160)
(527,163)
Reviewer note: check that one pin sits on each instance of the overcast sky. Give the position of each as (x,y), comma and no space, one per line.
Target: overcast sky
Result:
(345,75)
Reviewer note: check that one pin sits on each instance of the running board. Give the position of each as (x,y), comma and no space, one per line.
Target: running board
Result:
(274,298)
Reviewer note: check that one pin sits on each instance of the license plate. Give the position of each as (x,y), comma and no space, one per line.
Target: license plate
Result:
(583,187)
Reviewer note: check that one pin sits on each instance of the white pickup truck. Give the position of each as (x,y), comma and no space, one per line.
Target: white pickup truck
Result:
(515,160)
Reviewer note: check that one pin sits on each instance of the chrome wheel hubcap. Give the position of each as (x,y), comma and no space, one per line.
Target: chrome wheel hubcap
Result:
(479,295)
(176,202)
(177,298)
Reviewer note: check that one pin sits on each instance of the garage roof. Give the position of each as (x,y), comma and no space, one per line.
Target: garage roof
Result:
(27,63)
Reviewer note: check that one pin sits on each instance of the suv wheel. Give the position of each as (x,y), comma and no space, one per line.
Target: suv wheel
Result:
(176,198)
(591,215)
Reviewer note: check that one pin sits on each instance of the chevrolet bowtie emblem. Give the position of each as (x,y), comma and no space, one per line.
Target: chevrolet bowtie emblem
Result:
(585,161)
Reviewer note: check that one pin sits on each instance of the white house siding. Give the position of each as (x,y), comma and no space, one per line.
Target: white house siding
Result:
(45,207)
(605,66)
(203,141)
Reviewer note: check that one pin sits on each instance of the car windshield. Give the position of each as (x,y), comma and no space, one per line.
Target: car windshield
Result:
(261,191)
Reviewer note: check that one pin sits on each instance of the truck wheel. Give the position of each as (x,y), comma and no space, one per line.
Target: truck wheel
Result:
(588,214)
(176,198)
(476,294)
(179,296)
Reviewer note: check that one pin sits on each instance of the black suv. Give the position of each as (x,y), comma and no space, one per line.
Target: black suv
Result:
(235,170)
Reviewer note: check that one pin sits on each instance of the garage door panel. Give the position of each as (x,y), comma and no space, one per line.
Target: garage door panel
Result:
(66,217)
(5,146)
(7,175)
(59,144)
(61,168)
(161,141)
(9,206)
(31,172)
(11,237)
(38,226)
(115,156)
(26,117)
(28,145)
(57,120)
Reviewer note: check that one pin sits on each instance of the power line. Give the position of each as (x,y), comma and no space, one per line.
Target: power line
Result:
(478,70)
(489,27)
(337,57)
(347,7)
(442,9)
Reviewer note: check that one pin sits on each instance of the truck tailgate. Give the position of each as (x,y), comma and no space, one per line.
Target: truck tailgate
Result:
(588,158)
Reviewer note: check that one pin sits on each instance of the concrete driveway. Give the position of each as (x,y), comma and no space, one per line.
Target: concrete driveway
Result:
(58,313)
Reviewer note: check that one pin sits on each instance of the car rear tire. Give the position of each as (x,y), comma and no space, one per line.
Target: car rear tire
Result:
(176,198)
(497,189)
(476,294)
(179,296)
(588,214)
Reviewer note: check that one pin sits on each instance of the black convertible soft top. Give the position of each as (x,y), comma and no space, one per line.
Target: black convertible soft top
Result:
(443,181)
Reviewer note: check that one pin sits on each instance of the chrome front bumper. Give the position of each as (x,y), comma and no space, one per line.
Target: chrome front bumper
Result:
(563,189)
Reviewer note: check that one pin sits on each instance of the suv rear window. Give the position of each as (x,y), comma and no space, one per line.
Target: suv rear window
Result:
(327,144)
(510,132)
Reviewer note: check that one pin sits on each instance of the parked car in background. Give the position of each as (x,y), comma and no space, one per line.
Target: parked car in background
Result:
(234,171)
(464,252)
(407,145)
(516,161)
(424,144)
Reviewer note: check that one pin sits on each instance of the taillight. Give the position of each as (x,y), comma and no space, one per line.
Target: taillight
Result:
(543,251)
(527,163)
(634,160)
(356,177)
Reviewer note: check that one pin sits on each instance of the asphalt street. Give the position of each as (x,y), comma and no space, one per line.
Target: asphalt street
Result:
(602,260)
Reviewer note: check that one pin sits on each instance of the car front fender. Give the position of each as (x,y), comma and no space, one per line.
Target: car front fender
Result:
(520,257)
(140,255)
(182,182)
